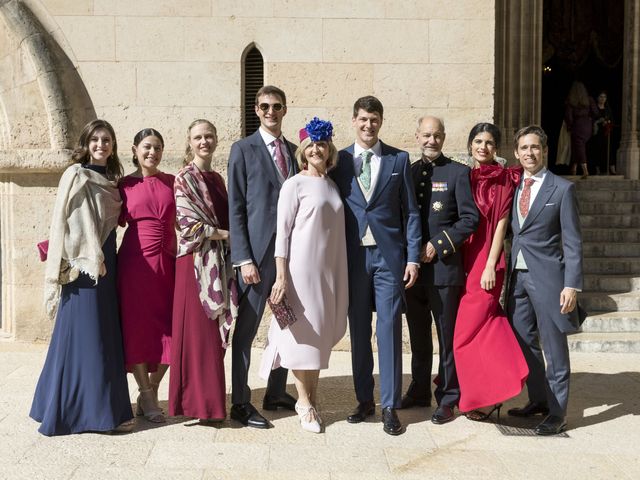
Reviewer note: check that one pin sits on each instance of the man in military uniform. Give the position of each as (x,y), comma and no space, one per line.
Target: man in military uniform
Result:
(449,215)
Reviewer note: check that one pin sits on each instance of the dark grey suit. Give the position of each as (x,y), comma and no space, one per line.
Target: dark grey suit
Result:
(551,244)
(254,187)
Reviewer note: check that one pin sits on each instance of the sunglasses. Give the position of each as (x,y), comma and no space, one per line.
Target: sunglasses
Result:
(265,107)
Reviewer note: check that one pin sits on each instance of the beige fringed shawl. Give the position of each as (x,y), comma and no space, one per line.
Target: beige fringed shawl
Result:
(86,211)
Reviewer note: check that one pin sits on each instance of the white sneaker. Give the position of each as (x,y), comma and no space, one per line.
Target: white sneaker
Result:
(309,418)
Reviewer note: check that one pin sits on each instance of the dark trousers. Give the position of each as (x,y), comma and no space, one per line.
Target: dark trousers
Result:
(440,303)
(373,284)
(528,312)
(252,302)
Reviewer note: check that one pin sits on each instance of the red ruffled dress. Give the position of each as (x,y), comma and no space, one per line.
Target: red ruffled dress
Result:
(490,365)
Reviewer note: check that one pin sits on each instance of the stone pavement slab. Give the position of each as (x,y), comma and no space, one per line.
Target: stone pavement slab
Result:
(603,441)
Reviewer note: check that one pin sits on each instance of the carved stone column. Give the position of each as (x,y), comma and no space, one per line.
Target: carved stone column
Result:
(518,80)
(628,157)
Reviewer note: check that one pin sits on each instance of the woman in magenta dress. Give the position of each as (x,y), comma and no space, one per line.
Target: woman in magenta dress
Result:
(146,269)
(491,367)
(206,300)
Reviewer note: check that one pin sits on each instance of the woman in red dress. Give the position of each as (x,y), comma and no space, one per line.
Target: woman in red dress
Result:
(205,301)
(146,269)
(491,367)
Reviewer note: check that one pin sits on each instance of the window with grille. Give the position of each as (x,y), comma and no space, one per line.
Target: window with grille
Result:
(253,80)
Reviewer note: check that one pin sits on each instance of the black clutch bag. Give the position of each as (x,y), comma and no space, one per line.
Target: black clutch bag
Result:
(282,312)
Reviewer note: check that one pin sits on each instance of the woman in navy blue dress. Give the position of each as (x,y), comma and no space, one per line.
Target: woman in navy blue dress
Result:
(83,385)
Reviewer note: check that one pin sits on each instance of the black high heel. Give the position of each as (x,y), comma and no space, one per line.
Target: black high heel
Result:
(480,416)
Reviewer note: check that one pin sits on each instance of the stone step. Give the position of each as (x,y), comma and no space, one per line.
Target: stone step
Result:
(605,342)
(612,322)
(609,221)
(591,249)
(610,235)
(612,266)
(585,196)
(606,183)
(611,283)
(610,301)
(609,208)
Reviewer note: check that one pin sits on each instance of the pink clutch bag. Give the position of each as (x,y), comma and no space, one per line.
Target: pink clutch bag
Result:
(43,248)
(282,312)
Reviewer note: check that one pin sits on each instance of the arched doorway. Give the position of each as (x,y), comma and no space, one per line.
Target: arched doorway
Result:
(519,74)
(582,41)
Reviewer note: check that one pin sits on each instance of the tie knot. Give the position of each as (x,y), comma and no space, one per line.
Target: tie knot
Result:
(366,156)
(528,182)
(277,142)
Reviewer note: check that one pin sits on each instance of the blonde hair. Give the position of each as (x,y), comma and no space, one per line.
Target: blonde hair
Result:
(302,160)
(578,95)
(188,153)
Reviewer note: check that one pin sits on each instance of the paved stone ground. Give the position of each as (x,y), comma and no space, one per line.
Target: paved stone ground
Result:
(603,441)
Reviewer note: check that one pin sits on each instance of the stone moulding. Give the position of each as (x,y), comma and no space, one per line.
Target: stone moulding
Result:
(65,97)
(34,161)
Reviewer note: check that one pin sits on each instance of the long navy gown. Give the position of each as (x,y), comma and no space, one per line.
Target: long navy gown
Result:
(83,384)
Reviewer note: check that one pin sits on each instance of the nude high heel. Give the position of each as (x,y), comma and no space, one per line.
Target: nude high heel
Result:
(147,406)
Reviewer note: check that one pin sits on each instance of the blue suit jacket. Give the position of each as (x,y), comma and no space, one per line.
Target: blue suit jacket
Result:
(551,243)
(254,188)
(392,212)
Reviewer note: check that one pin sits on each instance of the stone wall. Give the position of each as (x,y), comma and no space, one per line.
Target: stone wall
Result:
(162,63)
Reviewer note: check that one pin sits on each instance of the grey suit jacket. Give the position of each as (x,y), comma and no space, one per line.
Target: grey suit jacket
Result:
(551,243)
(254,188)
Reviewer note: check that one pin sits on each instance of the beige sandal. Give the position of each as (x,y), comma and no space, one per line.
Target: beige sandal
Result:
(147,406)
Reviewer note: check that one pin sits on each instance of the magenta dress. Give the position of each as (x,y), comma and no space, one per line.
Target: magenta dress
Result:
(146,268)
(197,384)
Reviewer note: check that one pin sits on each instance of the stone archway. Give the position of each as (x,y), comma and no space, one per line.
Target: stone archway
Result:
(43,107)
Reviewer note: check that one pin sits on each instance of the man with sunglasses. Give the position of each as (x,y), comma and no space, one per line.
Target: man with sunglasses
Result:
(258,166)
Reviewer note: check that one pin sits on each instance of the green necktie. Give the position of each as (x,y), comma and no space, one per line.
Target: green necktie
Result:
(365,171)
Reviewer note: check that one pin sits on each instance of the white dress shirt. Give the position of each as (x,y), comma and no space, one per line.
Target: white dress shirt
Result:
(538,178)
(270,141)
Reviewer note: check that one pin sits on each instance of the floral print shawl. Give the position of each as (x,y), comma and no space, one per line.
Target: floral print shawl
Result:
(197,222)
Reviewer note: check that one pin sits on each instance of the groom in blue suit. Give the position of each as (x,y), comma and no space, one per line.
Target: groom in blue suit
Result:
(383,247)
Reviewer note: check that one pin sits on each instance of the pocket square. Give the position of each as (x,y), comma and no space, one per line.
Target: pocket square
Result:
(549,204)
(394,174)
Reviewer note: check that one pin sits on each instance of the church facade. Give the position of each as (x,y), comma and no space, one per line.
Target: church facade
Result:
(161,64)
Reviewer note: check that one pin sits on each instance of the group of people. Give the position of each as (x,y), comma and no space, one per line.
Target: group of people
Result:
(589,125)
(329,235)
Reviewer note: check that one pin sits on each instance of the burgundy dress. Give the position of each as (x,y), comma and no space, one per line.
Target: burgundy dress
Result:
(490,364)
(197,384)
(146,268)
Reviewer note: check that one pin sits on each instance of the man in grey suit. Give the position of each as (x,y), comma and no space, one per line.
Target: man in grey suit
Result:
(258,166)
(546,263)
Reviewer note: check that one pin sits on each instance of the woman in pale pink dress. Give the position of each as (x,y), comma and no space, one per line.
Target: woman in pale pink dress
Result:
(311,264)
(146,269)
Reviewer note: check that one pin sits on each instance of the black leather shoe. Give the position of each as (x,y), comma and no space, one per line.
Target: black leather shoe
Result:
(551,425)
(529,410)
(285,401)
(362,411)
(443,414)
(409,401)
(247,415)
(390,421)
